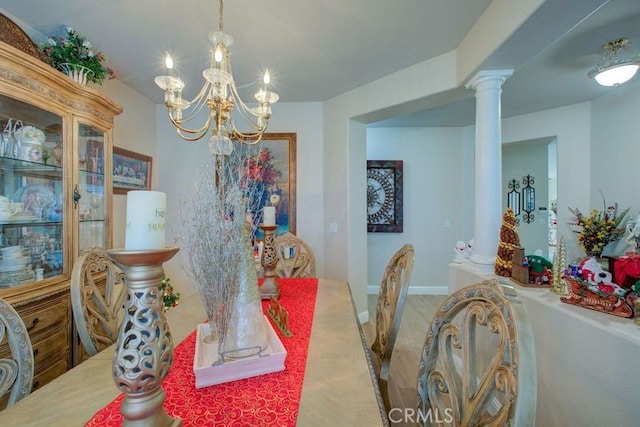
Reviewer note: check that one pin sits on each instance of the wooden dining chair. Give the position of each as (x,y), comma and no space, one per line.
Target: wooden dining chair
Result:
(478,363)
(16,365)
(389,308)
(97,300)
(295,257)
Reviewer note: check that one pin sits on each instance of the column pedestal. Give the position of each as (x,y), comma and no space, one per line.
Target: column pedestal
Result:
(269,260)
(144,350)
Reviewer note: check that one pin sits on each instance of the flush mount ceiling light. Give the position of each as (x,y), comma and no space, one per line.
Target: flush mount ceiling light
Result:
(220,97)
(615,69)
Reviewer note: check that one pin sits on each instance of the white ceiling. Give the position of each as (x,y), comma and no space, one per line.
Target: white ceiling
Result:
(317,49)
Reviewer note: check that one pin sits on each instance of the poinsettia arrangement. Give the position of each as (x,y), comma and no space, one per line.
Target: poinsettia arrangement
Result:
(73,48)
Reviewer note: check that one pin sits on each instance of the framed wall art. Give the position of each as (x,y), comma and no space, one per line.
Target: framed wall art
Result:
(384,196)
(273,167)
(131,171)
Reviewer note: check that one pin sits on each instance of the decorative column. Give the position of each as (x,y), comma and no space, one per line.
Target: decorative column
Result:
(269,260)
(488,167)
(144,351)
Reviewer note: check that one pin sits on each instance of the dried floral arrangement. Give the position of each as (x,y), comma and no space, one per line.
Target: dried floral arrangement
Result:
(217,234)
(599,228)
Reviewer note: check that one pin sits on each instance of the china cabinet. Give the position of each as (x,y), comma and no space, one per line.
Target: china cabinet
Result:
(55,196)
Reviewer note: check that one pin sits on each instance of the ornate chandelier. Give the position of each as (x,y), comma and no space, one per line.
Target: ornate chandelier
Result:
(615,69)
(220,95)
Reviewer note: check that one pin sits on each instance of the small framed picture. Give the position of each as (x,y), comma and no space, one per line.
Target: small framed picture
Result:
(131,171)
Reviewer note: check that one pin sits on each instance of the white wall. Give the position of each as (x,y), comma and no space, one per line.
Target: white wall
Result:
(615,131)
(433,159)
(134,129)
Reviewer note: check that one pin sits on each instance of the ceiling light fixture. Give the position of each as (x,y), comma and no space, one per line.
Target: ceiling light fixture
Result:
(220,95)
(615,69)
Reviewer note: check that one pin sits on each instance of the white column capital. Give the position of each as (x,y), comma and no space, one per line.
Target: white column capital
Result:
(494,76)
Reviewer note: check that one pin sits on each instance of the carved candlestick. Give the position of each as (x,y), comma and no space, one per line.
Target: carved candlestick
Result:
(269,260)
(144,351)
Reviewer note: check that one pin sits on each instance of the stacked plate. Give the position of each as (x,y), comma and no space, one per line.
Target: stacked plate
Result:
(14,278)
(23,216)
(13,259)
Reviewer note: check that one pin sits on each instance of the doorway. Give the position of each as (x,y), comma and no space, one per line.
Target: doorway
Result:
(529,186)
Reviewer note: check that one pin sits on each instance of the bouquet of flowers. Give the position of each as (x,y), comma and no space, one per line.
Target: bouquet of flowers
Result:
(74,49)
(599,228)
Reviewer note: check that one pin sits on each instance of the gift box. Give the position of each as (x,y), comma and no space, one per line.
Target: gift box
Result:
(625,269)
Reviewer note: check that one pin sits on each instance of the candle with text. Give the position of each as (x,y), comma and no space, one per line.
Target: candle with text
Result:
(146,213)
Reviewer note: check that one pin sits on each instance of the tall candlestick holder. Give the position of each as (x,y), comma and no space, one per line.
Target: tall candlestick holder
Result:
(269,260)
(144,350)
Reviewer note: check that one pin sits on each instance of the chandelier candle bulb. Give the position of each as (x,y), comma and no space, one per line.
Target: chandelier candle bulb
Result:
(168,62)
(145,226)
(269,215)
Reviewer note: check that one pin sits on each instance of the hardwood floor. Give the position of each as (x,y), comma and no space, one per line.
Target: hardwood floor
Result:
(416,318)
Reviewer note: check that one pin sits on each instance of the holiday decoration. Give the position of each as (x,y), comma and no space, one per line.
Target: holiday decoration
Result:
(583,294)
(509,240)
(559,266)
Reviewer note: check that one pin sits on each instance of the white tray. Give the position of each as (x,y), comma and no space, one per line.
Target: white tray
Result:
(206,354)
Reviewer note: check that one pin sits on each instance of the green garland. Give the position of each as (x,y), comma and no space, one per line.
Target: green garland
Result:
(169,298)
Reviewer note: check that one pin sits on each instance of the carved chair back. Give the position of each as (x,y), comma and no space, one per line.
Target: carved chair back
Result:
(478,362)
(389,308)
(16,369)
(295,257)
(97,298)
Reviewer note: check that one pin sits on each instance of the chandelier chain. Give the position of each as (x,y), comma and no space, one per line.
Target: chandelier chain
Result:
(220,15)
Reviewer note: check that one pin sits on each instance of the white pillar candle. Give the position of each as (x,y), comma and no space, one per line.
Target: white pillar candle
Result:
(269,215)
(145,227)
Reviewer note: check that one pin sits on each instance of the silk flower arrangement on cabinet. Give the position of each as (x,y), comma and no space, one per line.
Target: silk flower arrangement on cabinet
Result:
(75,56)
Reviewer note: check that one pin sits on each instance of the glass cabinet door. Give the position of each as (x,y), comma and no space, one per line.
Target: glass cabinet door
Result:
(91,207)
(31,193)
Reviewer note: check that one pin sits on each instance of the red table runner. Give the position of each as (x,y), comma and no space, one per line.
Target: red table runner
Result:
(266,400)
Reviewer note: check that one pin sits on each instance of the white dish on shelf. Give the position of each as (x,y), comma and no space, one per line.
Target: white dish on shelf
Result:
(14,264)
(22,214)
(22,220)
(34,197)
(11,251)
(14,278)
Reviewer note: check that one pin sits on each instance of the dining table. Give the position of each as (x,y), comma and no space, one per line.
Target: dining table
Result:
(337,384)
